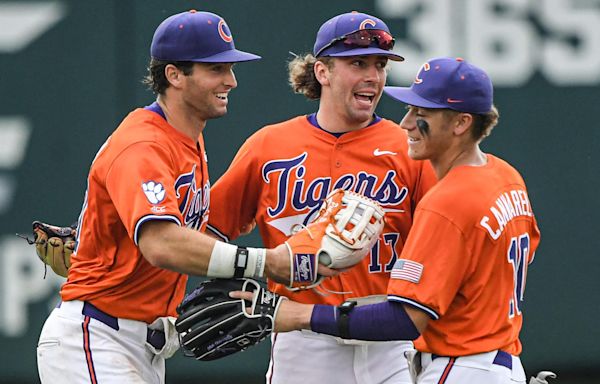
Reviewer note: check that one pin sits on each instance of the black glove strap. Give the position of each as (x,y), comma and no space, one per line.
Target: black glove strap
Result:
(344,320)
(241,261)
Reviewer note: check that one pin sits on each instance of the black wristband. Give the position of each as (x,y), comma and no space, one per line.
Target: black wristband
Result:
(240,263)
(344,320)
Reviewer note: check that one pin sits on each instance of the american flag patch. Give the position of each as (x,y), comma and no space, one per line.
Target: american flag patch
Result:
(407,270)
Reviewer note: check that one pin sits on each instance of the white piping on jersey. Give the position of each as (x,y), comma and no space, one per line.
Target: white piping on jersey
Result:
(401,299)
(152,217)
(218,233)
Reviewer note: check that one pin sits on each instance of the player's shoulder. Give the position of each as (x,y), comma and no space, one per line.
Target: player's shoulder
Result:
(388,129)
(142,125)
(295,123)
(290,129)
(505,170)
(142,128)
(390,124)
(466,190)
(141,131)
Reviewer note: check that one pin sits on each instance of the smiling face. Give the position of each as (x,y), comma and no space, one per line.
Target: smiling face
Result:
(205,91)
(352,86)
(432,142)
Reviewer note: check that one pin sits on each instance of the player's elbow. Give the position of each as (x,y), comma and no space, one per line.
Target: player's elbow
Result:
(155,255)
(419,318)
(153,244)
(157,258)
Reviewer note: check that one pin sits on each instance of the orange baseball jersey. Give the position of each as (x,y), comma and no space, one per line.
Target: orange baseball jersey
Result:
(465,260)
(146,170)
(282,173)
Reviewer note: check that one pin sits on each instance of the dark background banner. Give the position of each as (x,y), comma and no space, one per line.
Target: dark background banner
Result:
(71,70)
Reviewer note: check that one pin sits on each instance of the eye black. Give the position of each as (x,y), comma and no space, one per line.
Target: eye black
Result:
(422,125)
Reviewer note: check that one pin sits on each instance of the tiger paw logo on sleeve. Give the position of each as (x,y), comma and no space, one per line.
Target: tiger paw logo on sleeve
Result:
(155,192)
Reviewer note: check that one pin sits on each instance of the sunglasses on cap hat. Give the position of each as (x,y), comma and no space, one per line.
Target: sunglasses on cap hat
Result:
(363,38)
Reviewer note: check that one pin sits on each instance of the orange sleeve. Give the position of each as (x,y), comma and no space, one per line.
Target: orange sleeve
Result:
(140,184)
(438,245)
(234,197)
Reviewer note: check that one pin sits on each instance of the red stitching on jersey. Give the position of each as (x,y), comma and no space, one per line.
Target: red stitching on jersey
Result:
(447,370)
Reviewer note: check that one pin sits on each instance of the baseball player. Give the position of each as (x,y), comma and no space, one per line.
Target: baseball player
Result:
(146,204)
(282,172)
(457,288)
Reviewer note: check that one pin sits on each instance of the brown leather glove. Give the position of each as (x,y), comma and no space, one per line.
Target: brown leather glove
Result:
(54,245)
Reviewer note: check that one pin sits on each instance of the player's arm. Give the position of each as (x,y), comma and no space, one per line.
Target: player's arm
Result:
(220,312)
(343,233)
(166,245)
(385,321)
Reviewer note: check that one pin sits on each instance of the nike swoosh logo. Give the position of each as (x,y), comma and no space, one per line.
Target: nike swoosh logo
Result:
(453,100)
(377,152)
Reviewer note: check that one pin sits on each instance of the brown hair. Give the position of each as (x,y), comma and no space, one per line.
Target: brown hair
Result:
(156,79)
(301,75)
(484,123)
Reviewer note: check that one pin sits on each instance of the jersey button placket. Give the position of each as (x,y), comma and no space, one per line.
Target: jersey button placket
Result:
(337,162)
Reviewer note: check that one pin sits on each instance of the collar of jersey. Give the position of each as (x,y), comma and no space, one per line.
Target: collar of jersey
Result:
(312,119)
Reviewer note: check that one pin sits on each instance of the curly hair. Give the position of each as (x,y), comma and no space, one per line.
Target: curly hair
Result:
(156,79)
(484,123)
(301,75)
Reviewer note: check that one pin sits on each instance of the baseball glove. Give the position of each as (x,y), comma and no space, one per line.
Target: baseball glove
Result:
(212,325)
(347,227)
(54,245)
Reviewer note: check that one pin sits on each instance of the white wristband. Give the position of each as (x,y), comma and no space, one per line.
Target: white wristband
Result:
(224,257)
(221,260)
(256,257)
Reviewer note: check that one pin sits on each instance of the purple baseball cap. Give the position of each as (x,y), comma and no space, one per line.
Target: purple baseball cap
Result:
(449,83)
(331,36)
(196,36)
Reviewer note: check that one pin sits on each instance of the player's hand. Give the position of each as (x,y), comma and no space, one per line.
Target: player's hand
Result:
(212,324)
(344,232)
(291,315)
(54,245)
(279,269)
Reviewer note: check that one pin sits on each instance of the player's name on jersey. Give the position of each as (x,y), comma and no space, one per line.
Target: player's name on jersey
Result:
(508,206)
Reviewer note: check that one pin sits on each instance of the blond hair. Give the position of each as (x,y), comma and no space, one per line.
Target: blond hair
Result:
(301,75)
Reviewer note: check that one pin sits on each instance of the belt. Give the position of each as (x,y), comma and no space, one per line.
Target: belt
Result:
(154,337)
(502,358)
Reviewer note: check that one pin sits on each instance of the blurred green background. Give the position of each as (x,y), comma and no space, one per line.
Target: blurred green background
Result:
(70,70)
